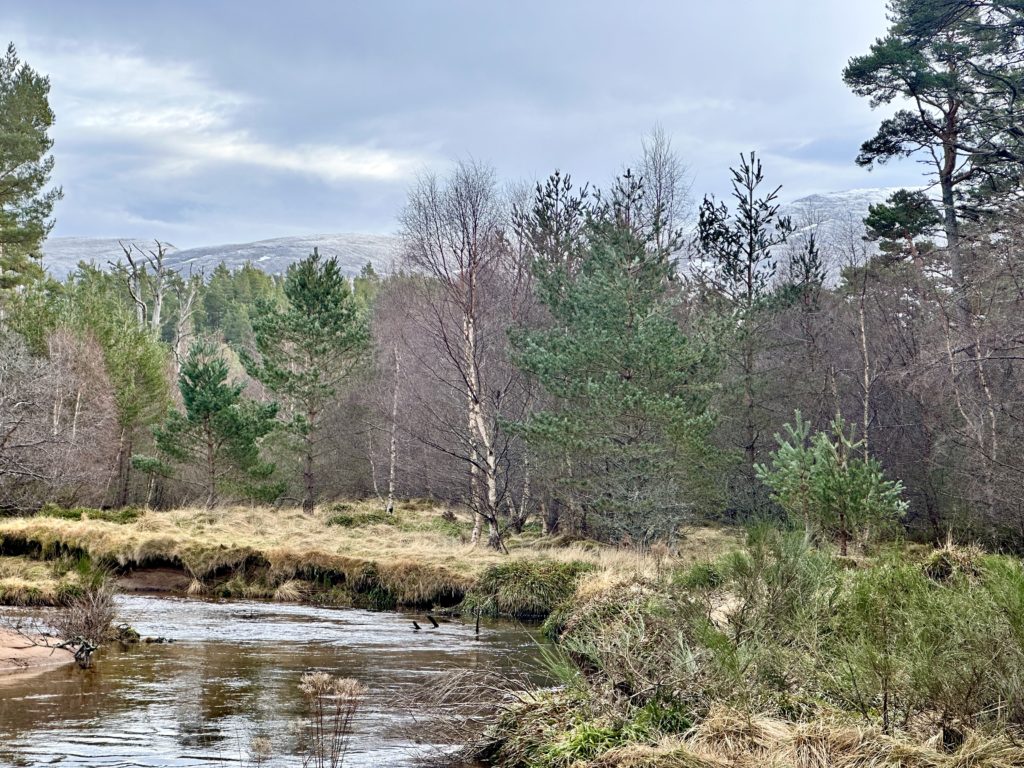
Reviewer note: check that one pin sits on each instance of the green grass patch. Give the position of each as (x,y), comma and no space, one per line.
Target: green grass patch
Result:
(120,516)
(361,519)
(524,589)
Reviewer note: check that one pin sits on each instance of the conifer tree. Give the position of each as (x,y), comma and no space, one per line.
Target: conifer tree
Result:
(737,271)
(900,223)
(25,168)
(220,431)
(960,63)
(820,480)
(307,348)
(630,392)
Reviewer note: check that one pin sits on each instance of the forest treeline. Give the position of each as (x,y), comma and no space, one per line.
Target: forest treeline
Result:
(611,362)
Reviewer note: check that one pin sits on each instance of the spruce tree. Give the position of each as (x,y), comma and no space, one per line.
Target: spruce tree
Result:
(25,168)
(307,348)
(220,432)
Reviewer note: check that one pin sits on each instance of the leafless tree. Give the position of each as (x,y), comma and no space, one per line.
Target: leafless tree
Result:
(454,234)
(57,422)
(667,185)
(148,273)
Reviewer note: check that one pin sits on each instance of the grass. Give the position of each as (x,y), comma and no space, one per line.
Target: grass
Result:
(779,653)
(26,581)
(126,515)
(421,556)
(739,740)
(524,588)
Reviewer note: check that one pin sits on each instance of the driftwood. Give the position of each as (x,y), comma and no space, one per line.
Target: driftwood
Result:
(83,650)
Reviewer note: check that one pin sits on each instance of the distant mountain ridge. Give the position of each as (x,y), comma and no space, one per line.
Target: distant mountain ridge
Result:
(61,255)
(834,217)
(832,214)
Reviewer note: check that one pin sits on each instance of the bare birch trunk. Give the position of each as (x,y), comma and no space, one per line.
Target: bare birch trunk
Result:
(866,362)
(468,332)
(393,447)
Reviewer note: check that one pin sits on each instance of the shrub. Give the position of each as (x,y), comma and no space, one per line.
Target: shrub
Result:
(87,620)
(821,481)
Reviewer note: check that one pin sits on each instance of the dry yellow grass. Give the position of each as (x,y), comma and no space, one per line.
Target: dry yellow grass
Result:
(419,556)
(729,738)
(204,541)
(24,581)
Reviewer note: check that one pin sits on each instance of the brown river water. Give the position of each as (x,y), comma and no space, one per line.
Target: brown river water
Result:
(231,674)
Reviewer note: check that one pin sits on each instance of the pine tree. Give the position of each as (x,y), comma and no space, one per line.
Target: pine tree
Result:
(961,65)
(307,349)
(821,481)
(630,392)
(738,270)
(900,223)
(25,168)
(220,432)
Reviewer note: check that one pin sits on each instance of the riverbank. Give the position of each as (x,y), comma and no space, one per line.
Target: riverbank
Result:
(26,653)
(348,554)
(780,653)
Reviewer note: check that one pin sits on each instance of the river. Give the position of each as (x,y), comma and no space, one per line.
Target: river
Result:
(231,674)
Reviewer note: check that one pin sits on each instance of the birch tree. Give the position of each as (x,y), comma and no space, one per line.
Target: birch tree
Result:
(453,231)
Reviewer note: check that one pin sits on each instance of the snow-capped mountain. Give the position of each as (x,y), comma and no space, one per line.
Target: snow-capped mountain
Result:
(835,218)
(353,252)
(62,254)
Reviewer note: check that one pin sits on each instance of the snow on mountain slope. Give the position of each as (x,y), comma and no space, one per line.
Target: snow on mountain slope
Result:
(62,254)
(835,218)
(353,252)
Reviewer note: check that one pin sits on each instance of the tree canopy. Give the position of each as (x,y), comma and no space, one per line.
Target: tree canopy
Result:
(26,206)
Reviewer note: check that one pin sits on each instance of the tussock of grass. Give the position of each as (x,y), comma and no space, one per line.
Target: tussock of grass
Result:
(730,738)
(525,589)
(346,520)
(953,560)
(549,731)
(290,591)
(745,740)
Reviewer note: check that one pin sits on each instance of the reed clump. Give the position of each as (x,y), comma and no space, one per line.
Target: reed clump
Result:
(331,704)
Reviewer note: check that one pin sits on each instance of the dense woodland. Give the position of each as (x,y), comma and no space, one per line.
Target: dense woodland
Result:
(611,363)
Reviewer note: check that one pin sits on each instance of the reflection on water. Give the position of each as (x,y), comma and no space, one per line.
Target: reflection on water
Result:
(231,675)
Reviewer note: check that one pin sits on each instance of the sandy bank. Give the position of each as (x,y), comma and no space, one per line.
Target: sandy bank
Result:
(20,653)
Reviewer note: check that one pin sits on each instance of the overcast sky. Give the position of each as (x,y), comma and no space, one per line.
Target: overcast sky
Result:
(208,122)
